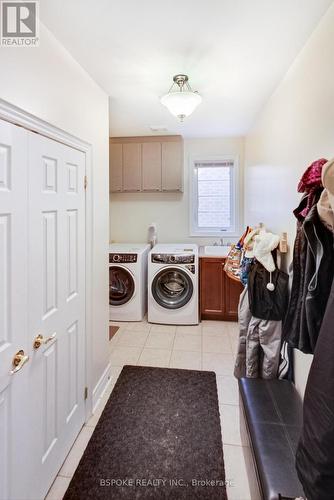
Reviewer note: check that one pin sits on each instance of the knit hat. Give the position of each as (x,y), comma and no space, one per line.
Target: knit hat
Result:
(311,184)
(312,176)
(328,181)
(249,242)
(264,244)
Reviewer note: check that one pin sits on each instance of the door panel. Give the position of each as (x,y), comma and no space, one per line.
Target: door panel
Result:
(5,265)
(56,301)
(42,292)
(132,167)
(72,383)
(5,167)
(233,290)
(4,448)
(219,297)
(72,262)
(172,166)
(116,167)
(151,156)
(212,288)
(13,303)
(50,434)
(50,257)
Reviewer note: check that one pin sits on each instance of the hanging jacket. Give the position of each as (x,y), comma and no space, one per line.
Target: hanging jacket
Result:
(263,303)
(259,344)
(313,269)
(244,317)
(292,322)
(315,457)
(285,369)
(319,272)
(263,345)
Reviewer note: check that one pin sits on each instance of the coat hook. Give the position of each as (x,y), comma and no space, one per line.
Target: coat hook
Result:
(283,244)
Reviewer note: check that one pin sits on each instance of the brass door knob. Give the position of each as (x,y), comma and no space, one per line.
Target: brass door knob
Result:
(19,360)
(40,340)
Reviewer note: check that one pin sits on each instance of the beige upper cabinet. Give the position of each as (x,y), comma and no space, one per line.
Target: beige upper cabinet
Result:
(146,164)
(172,166)
(132,167)
(116,167)
(151,166)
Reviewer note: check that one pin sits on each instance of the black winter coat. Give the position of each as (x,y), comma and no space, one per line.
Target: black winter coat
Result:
(319,273)
(315,453)
(263,303)
(313,271)
(291,325)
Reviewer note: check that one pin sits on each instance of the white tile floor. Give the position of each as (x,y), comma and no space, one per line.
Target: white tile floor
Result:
(208,346)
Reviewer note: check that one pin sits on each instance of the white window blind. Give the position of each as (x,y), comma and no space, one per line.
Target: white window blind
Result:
(213,197)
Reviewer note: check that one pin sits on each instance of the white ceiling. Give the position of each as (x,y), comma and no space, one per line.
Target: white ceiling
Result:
(234,51)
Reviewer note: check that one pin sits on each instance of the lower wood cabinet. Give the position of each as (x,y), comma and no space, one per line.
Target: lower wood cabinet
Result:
(219,294)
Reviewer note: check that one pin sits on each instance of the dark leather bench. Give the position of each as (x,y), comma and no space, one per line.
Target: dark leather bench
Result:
(272,418)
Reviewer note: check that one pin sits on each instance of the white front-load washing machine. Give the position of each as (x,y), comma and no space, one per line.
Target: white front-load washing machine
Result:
(173,284)
(127,281)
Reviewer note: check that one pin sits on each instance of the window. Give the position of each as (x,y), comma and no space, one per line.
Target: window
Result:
(213,197)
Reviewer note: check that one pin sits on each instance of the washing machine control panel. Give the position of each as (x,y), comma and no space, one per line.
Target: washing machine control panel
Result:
(122,258)
(164,258)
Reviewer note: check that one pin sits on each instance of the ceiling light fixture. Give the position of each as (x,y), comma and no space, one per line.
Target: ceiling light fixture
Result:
(181,100)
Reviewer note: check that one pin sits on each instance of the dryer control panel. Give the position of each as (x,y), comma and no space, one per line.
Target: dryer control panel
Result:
(122,258)
(165,258)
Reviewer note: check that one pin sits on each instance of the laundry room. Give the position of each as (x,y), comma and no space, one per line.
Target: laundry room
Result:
(166,250)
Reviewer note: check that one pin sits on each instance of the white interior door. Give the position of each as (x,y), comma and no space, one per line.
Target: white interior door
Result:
(13,302)
(56,264)
(42,293)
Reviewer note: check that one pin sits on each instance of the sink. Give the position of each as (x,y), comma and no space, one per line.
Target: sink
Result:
(217,250)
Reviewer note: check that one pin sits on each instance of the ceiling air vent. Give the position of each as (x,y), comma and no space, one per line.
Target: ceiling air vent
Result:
(158,128)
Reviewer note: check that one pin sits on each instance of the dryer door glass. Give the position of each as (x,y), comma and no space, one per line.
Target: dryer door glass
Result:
(121,286)
(172,288)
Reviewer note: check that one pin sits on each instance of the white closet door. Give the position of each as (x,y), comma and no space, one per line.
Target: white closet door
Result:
(56,302)
(13,306)
(42,293)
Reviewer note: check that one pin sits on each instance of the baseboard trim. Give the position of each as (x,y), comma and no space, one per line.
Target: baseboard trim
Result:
(101,386)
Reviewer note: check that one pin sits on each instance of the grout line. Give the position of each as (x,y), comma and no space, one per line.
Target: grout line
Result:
(141,352)
(172,350)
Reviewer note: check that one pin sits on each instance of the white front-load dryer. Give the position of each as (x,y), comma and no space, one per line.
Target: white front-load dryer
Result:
(173,284)
(127,281)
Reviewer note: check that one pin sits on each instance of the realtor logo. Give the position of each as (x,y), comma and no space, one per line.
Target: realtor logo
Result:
(19,23)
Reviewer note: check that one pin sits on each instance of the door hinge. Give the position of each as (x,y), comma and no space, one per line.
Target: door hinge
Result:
(86,393)
(85,182)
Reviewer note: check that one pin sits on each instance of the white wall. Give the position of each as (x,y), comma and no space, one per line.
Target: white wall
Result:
(295,128)
(131,213)
(48,83)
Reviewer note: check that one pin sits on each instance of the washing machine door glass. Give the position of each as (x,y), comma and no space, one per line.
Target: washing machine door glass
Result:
(121,286)
(172,288)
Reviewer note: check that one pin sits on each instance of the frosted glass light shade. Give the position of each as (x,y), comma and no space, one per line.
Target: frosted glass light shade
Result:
(181,104)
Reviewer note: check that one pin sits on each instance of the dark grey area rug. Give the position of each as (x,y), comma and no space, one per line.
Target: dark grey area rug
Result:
(158,437)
